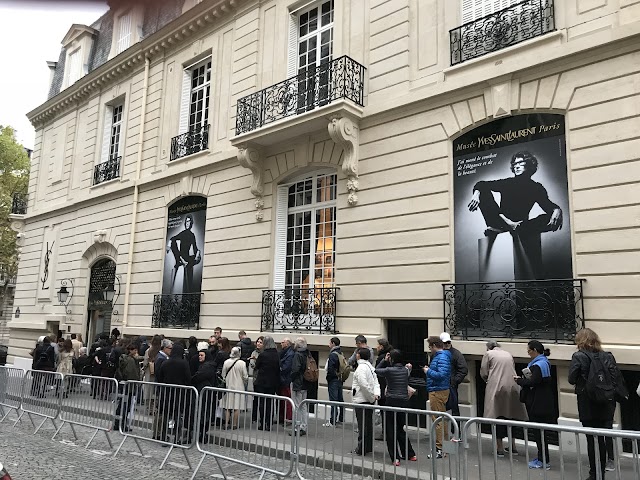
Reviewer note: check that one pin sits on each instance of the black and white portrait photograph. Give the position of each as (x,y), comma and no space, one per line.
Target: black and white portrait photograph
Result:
(511,203)
(185,246)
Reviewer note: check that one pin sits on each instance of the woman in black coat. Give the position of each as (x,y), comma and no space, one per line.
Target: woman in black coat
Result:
(206,374)
(590,414)
(538,396)
(267,380)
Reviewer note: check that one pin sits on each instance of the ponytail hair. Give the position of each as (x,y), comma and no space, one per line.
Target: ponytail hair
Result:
(536,346)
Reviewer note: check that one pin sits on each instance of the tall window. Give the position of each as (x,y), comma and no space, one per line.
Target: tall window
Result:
(116,126)
(314,49)
(124,33)
(311,233)
(200,88)
(75,67)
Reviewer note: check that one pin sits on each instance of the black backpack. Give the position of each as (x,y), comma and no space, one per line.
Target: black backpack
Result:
(601,387)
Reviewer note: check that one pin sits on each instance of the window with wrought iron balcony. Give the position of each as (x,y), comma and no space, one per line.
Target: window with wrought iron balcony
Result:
(19,204)
(176,311)
(486,31)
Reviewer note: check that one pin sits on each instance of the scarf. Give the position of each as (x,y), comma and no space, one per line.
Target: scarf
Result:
(542,362)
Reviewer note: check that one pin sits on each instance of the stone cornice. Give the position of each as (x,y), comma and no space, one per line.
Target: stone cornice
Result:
(171,36)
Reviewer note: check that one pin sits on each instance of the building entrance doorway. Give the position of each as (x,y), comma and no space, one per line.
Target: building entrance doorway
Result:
(103,275)
(408,336)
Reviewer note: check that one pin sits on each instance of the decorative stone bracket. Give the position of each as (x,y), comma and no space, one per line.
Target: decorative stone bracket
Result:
(251,157)
(343,131)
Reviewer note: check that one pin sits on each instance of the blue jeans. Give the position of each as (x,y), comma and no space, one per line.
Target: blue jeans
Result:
(335,395)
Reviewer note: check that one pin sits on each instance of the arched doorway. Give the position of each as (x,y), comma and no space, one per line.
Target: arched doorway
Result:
(103,274)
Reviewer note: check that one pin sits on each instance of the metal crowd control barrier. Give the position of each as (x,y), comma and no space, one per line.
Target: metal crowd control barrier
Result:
(564,462)
(10,390)
(87,401)
(41,396)
(351,449)
(166,416)
(247,423)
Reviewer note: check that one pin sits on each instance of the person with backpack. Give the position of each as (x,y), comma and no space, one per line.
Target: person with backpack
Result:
(438,378)
(266,380)
(304,373)
(593,372)
(128,370)
(365,390)
(538,395)
(43,361)
(284,390)
(337,370)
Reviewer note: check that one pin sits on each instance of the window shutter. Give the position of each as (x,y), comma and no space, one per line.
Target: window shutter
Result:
(106,133)
(184,102)
(292,55)
(124,35)
(280,257)
(467,11)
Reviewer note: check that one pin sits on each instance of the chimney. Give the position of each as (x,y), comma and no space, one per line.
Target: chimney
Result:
(52,70)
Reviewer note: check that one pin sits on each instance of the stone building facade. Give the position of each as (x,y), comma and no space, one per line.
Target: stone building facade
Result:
(321,152)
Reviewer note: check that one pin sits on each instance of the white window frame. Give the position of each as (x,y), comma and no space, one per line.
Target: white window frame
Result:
(282,213)
(108,131)
(125,31)
(185,121)
(295,39)
(74,70)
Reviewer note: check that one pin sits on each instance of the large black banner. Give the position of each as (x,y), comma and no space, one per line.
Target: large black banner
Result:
(511,207)
(185,246)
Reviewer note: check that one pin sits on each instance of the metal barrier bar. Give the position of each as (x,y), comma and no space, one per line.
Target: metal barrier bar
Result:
(87,401)
(168,418)
(349,447)
(41,392)
(625,466)
(11,380)
(246,422)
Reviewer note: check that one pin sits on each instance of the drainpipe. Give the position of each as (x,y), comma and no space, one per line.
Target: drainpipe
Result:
(136,191)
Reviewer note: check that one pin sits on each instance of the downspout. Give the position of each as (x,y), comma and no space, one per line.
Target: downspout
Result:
(136,191)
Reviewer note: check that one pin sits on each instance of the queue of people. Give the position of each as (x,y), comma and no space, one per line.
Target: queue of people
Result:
(379,377)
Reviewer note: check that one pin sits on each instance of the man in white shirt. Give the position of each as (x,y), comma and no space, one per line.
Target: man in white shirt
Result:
(76,345)
(366,390)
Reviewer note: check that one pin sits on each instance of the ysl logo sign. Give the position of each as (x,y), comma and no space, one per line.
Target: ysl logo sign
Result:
(47,259)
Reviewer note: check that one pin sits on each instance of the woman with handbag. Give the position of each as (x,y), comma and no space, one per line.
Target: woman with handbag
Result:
(397,395)
(234,374)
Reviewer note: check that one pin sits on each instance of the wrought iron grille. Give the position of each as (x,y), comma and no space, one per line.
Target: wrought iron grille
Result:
(543,309)
(339,78)
(306,309)
(193,141)
(19,204)
(103,172)
(510,26)
(176,311)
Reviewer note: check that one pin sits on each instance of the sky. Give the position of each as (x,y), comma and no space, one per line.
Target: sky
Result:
(31,33)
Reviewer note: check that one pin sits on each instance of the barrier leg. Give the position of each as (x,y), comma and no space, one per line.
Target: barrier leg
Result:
(108,440)
(195,472)
(19,419)
(220,467)
(124,439)
(91,439)
(75,435)
(166,457)
(184,452)
(39,426)
(58,430)
(138,445)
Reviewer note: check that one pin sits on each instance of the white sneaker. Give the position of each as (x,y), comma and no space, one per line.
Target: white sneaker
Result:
(609,466)
(328,424)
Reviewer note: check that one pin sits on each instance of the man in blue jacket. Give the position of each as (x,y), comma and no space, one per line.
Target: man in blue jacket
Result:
(438,380)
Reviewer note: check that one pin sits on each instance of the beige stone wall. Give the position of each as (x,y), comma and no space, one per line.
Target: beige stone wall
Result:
(394,249)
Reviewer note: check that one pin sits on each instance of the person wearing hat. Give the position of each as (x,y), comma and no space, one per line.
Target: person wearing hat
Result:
(459,371)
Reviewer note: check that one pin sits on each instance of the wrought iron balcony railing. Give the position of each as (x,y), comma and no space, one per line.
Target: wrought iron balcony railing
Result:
(551,310)
(194,141)
(304,309)
(103,172)
(19,204)
(316,87)
(510,26)
(176,311)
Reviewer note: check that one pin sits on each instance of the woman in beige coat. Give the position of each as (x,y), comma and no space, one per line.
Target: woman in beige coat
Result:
(502,396)
(234,371)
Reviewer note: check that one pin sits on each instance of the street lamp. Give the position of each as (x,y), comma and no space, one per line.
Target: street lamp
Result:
(64,295)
